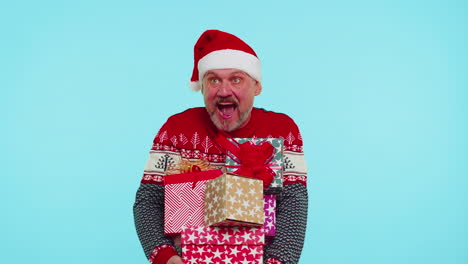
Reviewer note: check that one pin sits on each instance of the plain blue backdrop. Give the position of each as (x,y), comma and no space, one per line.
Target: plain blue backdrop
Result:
(378,89)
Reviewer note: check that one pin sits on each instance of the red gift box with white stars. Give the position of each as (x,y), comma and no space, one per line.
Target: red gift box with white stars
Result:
(222,245)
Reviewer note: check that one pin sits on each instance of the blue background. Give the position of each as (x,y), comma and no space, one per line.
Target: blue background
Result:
(378,89)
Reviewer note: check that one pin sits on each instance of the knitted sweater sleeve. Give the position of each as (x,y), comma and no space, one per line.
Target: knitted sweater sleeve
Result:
(148,209)
(291,219)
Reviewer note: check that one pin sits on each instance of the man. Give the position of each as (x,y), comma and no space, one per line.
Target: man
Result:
(227,71)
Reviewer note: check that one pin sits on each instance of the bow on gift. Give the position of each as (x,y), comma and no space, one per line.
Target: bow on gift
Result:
(254,160)
(193,177)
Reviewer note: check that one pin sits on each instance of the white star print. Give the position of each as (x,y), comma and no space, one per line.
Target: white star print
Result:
(217,253)
(200,230)
(193,260)
(215,212)
(200,251)
(232,216)
(209,237)
(271,210)
(235,229)
(210,206)
(246,236)
(226,236)
(257,207)
(252,212)
(229,185)
(240,212)
(270,224)
(232,199)
(227,260)
(245,261)
(191,237)
(234,251)
(240,192)
(208,260)
(253,251)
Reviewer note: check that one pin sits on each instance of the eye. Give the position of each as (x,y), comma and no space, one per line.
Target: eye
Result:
(214,80)
(236,80)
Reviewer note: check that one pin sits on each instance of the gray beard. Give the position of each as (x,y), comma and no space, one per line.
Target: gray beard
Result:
(221,125)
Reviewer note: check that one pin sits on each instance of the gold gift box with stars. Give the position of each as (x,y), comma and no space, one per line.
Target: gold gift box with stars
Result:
(233,200)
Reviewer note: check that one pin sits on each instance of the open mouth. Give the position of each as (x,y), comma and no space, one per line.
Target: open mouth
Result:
(226,109)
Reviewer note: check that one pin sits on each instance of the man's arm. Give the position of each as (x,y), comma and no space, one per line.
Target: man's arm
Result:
(148,212)
(291,220)
(148,209)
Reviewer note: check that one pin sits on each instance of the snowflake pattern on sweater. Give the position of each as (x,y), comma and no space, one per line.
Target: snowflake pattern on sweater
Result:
(184,136)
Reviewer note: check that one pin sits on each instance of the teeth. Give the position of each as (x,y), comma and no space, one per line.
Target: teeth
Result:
(226,103)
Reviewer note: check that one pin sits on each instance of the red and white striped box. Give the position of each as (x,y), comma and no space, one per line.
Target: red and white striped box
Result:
(184,199)
(222,245)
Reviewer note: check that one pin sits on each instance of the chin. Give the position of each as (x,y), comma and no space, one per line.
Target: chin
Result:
(225,125)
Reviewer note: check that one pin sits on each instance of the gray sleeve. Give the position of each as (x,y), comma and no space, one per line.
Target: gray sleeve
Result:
(148,212)
(291,221)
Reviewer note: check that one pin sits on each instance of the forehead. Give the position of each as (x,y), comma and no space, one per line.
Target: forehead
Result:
(226,72)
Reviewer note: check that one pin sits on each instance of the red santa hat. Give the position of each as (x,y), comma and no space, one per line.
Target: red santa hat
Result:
(220,50)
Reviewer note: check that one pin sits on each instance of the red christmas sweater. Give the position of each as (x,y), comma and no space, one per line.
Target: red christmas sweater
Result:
(190,135)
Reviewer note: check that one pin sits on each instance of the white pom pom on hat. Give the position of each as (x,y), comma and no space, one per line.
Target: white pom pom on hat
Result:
(220,50)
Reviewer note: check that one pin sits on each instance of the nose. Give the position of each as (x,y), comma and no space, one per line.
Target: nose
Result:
(225,89)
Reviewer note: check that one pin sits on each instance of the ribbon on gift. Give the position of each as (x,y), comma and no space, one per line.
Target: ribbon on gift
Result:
(254,160)
(185,166)
(193,177)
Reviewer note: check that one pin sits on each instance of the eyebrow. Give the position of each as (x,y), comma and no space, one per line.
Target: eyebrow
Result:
(233,73)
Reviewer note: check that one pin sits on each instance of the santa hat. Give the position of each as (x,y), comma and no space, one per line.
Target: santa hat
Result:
(220,50)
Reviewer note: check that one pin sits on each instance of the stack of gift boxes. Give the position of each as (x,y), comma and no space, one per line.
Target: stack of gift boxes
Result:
(224,215)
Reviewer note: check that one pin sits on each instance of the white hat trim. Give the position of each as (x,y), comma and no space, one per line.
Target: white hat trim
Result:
(228,59)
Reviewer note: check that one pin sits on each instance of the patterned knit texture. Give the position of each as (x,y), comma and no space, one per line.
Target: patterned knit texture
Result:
(148,212)
(291,220)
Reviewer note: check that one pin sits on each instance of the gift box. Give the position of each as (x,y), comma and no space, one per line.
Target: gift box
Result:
(270,214)
(222,245)
(184,199)
(275,163)
(234,200)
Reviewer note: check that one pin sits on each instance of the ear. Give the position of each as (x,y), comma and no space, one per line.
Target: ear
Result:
(202,88)
(258,88)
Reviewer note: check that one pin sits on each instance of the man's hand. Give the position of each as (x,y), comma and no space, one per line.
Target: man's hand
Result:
(175,260)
